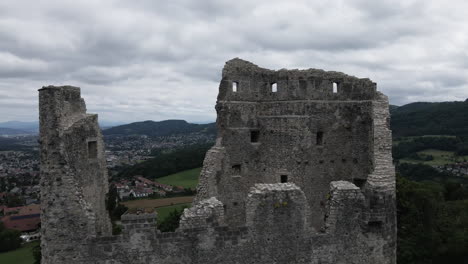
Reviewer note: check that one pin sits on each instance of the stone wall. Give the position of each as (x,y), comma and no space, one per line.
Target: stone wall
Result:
(301,174)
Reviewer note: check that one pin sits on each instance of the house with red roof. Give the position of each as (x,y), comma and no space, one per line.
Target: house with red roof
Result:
(23,218)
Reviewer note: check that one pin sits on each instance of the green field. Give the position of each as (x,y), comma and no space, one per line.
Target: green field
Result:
(163,212)
(20,256)
(406,139)
(441,157)
(186,179)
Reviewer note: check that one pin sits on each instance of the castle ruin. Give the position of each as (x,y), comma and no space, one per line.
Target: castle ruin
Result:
(301,172)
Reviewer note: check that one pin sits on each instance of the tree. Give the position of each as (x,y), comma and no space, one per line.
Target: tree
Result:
(9,239)
(37,253)
(171,223)
(432,222)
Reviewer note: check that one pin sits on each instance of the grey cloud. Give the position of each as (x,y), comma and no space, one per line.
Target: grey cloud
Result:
(147,59)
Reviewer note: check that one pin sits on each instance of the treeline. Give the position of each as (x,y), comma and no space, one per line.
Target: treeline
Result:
(12,144)
(9,239)
(408,147)
(161,128)
(432,222)
(163,164)
(417,119)
(421,172)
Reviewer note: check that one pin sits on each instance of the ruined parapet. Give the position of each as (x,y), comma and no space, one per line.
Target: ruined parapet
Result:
(278,208)
(206,213)
(256,84)
(132,222)
(73,174)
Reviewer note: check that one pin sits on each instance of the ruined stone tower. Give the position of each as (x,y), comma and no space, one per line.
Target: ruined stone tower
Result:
(309,127)
(301,173)
(74,180)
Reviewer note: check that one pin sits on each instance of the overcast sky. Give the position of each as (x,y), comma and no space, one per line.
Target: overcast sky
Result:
(150,59)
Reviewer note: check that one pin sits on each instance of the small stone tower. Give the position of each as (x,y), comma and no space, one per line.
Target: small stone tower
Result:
(74,176)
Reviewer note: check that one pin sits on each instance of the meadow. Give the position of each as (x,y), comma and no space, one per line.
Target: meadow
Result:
(156,203)
(186,179)
(163,212)
(22,255)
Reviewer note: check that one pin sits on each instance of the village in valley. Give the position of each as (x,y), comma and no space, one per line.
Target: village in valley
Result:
(19,175)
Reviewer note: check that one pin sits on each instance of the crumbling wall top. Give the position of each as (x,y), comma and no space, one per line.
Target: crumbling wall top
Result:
(245,81)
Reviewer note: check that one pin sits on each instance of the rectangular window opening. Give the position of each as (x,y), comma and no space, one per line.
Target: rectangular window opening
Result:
(335,87)
(234,86)
(319,140)
(254,136)
(92,149)
(284,178)
(236,169)
(274,87)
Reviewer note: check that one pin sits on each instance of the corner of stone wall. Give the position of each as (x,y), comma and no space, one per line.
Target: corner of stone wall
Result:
(345,208)
(205,213)
(212,168)
(383,176)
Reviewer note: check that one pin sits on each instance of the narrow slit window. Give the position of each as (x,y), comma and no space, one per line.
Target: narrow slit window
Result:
(92,149)
(284,178)
(335,87)
(274,87)
(234,86)
(254,136)
(319,140)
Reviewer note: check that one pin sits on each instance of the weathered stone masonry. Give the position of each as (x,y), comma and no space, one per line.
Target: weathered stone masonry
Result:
(301,173)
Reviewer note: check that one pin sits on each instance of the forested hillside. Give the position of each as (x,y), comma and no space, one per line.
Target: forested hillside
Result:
(165,163)
(417,119)
(161,128)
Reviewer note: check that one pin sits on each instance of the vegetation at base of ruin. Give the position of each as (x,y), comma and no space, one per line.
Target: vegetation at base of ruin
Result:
(161,128)
(417,119)
(23,255)
(186,179)
(164,212)
(432,222)
(115,209)
(155,203)
(171,222)
(9,239)
(164,164)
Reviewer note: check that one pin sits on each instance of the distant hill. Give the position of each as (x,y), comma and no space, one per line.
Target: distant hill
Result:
(161,128)
(393,107)
(417,119)
(30,127)
(13,132)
